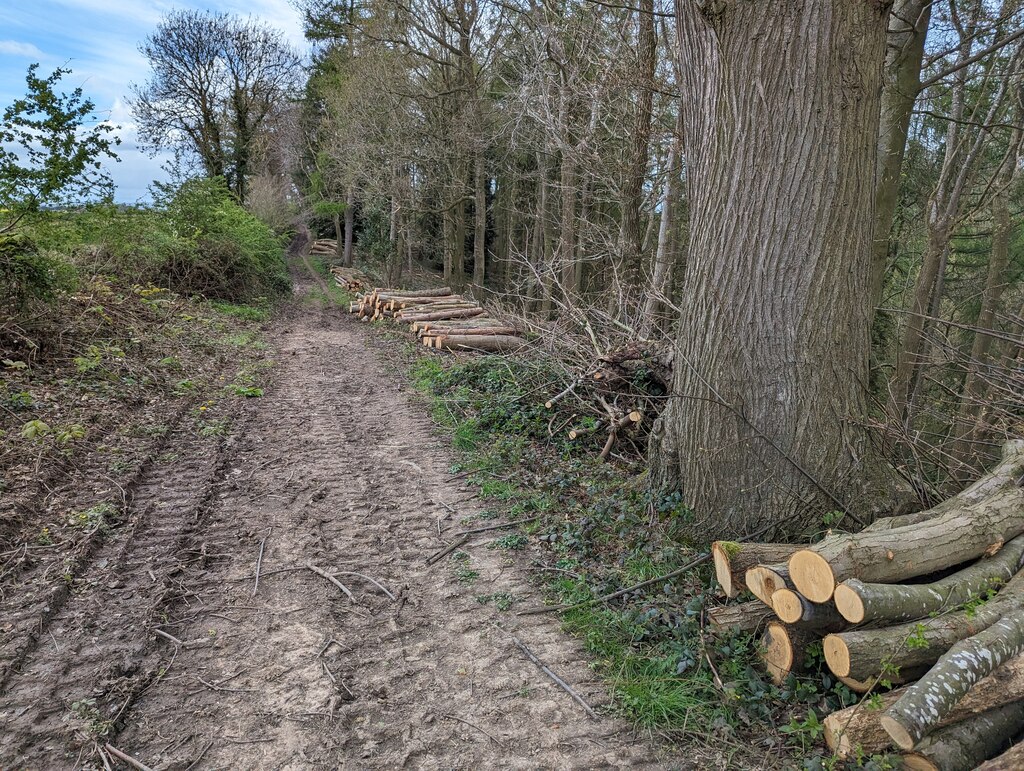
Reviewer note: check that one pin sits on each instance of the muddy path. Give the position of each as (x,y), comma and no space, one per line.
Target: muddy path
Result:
(167,649)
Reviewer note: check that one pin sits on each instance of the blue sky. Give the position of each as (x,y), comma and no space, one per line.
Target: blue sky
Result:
(98,40)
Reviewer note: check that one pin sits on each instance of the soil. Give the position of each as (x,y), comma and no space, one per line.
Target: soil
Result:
(164,646)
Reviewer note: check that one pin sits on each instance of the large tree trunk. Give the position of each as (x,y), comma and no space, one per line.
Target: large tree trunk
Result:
(901,80)
(773,341)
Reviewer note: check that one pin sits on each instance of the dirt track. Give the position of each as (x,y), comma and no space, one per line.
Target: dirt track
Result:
(297,675)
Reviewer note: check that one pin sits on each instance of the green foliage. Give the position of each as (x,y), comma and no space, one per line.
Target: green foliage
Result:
(26,274)
(51,146)
(199,242)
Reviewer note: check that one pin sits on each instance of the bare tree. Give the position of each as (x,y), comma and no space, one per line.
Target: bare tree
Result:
(216,81)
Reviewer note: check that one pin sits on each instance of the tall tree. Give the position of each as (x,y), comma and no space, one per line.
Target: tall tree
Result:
(772,347)
(216,81)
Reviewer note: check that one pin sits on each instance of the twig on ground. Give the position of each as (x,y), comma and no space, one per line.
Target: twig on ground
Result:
(474,725)
(332,579)
(103,757)
(558,681)
(259,562)
(170,637)
(216,687)
(498,527)
(327,670)
(613,595)
(447,549)
(372,581)
(199,757)
(126,758)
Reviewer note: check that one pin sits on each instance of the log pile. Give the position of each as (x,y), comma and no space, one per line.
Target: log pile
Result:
(324,247)
(440,318)
(933,600)
(349,279)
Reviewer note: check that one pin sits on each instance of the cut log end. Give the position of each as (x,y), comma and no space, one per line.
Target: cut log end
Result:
(900,736)
(779,654)
(787,605)
(812,575)
(849,604)
(917,762)
(837,655)
(763,582)
(723,571)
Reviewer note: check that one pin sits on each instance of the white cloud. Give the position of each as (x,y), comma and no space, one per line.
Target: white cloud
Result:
(15,48)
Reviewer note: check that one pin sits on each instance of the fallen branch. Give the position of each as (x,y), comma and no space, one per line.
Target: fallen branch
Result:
(126,758)
(558,681)
(332,579)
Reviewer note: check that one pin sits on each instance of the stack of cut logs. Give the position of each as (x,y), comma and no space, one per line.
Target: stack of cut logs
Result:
(324,246)
(349,279)
(440,318)
(931,601)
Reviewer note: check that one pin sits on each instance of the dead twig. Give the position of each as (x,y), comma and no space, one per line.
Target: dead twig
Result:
(557,680)
(170,637)
(259,563)
(367,578)
(199,757)
(447,550)
(126,758)
(502,526)
(332,579)
(474,725)
(613,595)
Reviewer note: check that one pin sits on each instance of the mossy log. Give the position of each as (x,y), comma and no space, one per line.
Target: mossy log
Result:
(951,533)
(764,580)
(963,746)
(938,692)
(1011,760)
(793,608)
(861,602)
(746,617)
(861,653)
(732,560)
(860,726)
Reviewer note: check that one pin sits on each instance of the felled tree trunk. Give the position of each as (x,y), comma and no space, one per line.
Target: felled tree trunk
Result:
(764,580)
(860,726)
(954,534)
(962,746)
(732,560)
(936,694)
(745,617)
(862,653)
(783,650)
(1011,760)
(861,602)
(793,608)
(492,344)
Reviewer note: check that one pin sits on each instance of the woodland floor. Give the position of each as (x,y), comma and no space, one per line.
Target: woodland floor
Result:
(294,674)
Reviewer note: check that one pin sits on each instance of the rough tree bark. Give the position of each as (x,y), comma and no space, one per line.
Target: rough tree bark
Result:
(773,344)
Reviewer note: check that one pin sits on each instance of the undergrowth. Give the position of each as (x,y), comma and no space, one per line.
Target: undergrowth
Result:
(602,531)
